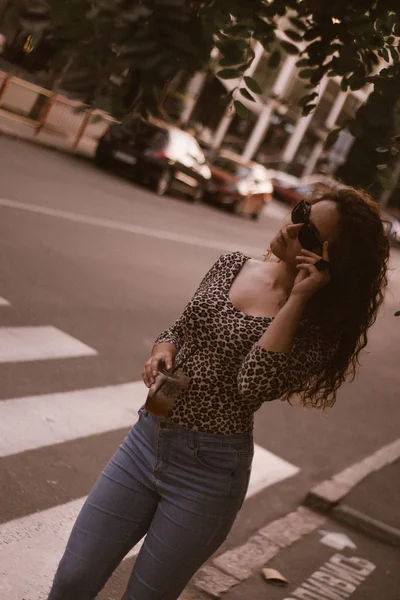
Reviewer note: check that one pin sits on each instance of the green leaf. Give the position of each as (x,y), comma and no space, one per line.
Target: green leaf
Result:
(307,109)
(241,110)
(228,74)
(306,73)
(394,53)
(237,29)
(289,48)
(247,94)
(293,35)
(303,62)
(298,23)
(252,85)
(307,98)
(274,59)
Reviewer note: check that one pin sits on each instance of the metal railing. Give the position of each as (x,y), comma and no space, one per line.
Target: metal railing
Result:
(48,112)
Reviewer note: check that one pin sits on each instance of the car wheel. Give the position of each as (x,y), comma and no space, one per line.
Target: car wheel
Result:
(100,160)
(163,183)
(198,194)
(237,207)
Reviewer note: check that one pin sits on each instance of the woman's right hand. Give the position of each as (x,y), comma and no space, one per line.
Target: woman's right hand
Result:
(163,354)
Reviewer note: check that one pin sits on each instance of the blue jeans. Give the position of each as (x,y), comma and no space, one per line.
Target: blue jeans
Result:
(180,488)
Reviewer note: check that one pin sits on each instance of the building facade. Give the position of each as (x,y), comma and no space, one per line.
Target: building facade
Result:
(275,134)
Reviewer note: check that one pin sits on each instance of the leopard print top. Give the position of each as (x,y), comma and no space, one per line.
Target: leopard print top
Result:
(230,374)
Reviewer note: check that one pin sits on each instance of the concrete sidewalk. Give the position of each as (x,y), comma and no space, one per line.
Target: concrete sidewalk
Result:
(345,544)
(21,128)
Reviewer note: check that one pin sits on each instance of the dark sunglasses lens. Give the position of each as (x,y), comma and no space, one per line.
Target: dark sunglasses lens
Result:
(308,238)
(299,213)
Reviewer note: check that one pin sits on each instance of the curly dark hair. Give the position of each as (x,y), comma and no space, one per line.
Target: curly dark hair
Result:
(344,310)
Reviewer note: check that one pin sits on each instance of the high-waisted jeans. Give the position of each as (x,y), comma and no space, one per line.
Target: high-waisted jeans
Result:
(180,488)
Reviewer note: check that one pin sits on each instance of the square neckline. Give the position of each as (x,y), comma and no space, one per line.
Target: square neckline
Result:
(231,280)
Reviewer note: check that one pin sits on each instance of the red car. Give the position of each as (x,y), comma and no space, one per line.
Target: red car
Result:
(242,186)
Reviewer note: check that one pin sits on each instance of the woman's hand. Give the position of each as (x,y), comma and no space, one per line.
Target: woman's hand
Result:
(310,279)
(163,354)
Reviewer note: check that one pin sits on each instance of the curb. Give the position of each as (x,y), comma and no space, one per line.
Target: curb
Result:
(49,146)
(235,566)
(367,525)
(326,497)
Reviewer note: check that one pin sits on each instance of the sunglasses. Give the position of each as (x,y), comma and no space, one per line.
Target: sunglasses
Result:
(308,235)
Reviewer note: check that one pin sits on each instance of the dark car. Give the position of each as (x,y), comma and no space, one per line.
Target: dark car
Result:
(242,186)
(291,194)
(155,154)
(290,190)
(392,227)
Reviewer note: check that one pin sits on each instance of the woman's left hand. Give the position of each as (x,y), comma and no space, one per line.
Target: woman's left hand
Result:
(310,279)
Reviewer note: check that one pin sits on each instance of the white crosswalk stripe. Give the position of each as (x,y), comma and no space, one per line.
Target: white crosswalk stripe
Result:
(39,343)
(4,302)
(36,541)
(31,546)
(38,421)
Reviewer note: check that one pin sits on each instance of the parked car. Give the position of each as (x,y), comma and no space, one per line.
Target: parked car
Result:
(291,194)
(291,190)
(242,186)
(156,154)
(392,226)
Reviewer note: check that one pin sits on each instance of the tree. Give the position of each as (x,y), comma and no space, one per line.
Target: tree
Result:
(129,51)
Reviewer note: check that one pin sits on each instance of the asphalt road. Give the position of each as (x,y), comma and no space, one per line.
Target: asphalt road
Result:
(111,264)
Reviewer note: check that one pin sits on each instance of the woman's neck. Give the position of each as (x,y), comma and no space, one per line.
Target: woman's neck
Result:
(282,276)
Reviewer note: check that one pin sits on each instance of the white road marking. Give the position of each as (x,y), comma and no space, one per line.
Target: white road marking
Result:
(4,302)
(39,343)
(268,469)
(191,240)
(39,421)
(31,546)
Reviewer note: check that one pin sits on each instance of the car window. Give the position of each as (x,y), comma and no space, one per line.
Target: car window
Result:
(196,152)
(231,166)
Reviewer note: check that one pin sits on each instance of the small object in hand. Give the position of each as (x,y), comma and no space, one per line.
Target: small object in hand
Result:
(163,393)
(322,264)
(273,576)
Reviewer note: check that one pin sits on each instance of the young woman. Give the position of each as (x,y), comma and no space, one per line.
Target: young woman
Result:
(253,332)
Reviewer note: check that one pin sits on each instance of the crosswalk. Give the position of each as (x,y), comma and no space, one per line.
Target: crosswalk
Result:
(31,545)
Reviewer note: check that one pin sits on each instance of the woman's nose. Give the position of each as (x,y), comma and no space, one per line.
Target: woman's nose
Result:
(293,230)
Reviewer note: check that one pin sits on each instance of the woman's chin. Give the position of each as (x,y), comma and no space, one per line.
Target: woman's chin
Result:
(277,249)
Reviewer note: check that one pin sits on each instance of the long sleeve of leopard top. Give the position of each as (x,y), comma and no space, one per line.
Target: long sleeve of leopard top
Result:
(266,375)
(176,333)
